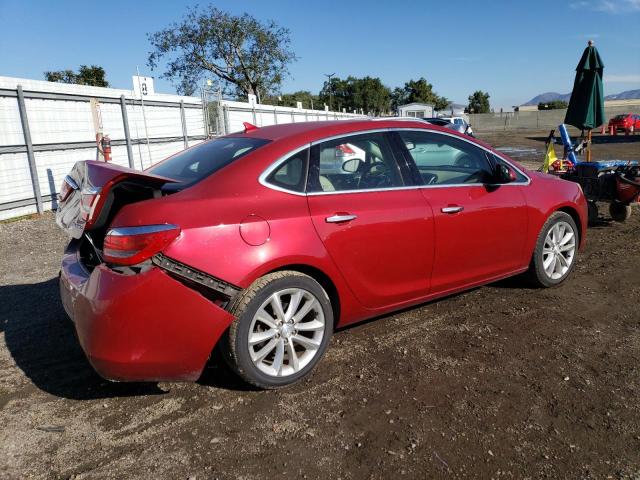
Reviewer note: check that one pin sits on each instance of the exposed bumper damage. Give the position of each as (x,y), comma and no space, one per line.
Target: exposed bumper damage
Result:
(145,327)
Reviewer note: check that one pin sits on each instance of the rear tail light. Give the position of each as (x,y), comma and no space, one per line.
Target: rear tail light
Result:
(89,198)
(133,245)
(68,186)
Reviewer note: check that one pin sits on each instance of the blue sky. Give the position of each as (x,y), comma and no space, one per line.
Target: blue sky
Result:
(512,49)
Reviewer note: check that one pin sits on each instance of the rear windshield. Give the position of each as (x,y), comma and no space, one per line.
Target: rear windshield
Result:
(196,163)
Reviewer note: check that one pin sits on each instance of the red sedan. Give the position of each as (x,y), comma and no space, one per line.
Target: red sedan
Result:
(625,122)
(263,242)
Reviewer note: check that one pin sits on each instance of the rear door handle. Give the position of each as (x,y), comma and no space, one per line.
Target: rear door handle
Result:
(340,218)
(452,209)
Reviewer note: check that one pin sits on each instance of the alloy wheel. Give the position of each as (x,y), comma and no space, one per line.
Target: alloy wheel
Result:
(286,332)
(559,250)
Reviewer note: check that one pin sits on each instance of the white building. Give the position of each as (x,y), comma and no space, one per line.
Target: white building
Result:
(453,110)
(415,110)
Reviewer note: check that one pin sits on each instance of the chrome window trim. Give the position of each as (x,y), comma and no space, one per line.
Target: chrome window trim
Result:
(262,179)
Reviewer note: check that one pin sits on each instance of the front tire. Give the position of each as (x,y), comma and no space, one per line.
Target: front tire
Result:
(555,254)
(284,323)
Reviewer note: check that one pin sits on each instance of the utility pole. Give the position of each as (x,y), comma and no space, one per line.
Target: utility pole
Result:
(329,75)
(144,119)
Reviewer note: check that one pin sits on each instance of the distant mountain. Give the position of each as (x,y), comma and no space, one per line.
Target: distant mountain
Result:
(548,97)
(551,96)
(628,95)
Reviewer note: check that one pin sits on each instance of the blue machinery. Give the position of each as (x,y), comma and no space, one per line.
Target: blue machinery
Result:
(571,150)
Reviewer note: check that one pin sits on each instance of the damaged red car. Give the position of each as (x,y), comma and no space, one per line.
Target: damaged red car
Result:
(262,243)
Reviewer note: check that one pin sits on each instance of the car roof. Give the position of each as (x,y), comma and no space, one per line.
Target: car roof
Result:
(294,135)
(309,131)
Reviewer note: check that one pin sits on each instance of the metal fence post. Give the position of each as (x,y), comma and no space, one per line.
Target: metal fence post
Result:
(31,157)
(127,135)
(205,112)
(225,112)
(275,115)
(184,125)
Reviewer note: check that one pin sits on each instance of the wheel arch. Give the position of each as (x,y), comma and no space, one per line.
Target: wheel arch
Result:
(573,213)
(322,278)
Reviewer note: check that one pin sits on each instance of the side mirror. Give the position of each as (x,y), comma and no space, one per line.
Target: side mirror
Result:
(351,166)
(504,174)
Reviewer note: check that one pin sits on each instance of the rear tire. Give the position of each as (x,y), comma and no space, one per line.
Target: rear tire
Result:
(555,253)
(619,211)
(284,321)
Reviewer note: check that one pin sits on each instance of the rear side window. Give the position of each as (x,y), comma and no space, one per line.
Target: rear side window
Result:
(292,173)
(196,163)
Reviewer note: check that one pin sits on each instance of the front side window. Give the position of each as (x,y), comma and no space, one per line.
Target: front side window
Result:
(357,162)
(446,160)
(196,163)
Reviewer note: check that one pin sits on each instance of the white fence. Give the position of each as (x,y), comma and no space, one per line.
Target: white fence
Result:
(46,127)
(232,114)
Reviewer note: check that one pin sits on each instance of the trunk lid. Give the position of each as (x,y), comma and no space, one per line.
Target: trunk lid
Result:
(94,191)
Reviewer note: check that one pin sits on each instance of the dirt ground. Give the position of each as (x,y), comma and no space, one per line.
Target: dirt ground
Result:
(499,382)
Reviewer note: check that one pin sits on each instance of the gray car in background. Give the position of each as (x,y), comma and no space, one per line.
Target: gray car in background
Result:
(461,127)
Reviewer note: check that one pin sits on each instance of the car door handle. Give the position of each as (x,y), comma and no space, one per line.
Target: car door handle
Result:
(340,218)
(452,209)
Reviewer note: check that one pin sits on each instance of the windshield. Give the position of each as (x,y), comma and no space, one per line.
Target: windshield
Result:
(196,163)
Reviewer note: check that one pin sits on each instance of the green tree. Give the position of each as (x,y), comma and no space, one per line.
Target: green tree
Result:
(398,98)
(418,91)
(245,54)
(367,94)
(479,102)
(553,105)
(87,75)
(308,100)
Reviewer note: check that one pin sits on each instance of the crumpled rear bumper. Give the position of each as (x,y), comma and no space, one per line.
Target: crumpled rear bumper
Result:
(143,327)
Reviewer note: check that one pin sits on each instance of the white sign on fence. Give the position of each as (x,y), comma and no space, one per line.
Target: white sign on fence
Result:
(142,86)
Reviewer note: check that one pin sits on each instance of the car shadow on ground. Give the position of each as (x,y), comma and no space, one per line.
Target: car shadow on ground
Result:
(217,374)
(42,341)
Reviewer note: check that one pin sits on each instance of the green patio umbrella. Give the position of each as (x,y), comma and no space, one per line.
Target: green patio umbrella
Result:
(586,107)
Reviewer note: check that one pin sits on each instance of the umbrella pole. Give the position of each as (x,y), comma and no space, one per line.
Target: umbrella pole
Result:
(589,146)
